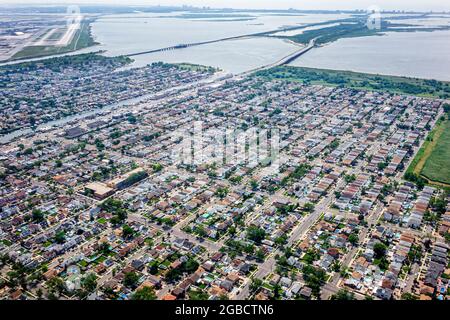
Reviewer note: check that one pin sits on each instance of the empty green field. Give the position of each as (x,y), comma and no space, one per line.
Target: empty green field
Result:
(425,150)
(437,165)
(196,67)
(55,36)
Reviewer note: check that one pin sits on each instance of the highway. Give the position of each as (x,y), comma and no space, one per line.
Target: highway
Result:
(285,60)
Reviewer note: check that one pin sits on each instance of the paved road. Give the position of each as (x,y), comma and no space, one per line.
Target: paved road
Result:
(409,283)
(285,60)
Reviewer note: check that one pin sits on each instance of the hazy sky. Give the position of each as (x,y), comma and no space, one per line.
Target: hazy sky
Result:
(419,5)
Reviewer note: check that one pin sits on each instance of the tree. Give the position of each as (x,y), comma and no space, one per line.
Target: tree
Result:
(254,185)
(222,192)
(127,231)
(132,119)
(286,209)
(249,249)
(190,265)
(236,179)
(260,255)
(198,295)
(308,207)
(255,284)
(28,151)
(336,266)
(276,291)
(256,234)
(104,248)
(281,240)
(314,278)
(117,208)
(343,295)
(145,293)
(418,180)
(173,275)
(60,237)
(409,296)
(100,146)
(334,145)
(415,254)
(56,284)
(39,294)
(13,277)
(154,268)
(310,256)
(157,167)
(439,204)
(131,279)
(200,230)
(51,296)
(447,108)
(380,250)
(38,215)
(89,283)
(349,178)
(353,239)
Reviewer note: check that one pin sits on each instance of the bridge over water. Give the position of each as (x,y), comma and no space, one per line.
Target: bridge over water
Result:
(285,60)
(187,45)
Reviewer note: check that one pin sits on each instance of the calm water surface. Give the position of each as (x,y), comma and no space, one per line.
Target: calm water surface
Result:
(412,54)
(141,32)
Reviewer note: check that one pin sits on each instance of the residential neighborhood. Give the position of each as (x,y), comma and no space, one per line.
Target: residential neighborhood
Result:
(102,208)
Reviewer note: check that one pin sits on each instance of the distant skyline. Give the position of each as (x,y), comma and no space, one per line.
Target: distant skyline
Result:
(416,5)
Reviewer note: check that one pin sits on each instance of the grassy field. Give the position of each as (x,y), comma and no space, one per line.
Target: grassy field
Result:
(82,39)
(57,34)
(432,161)
(425,150)
(361,81)
(436,163)
(195,67)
